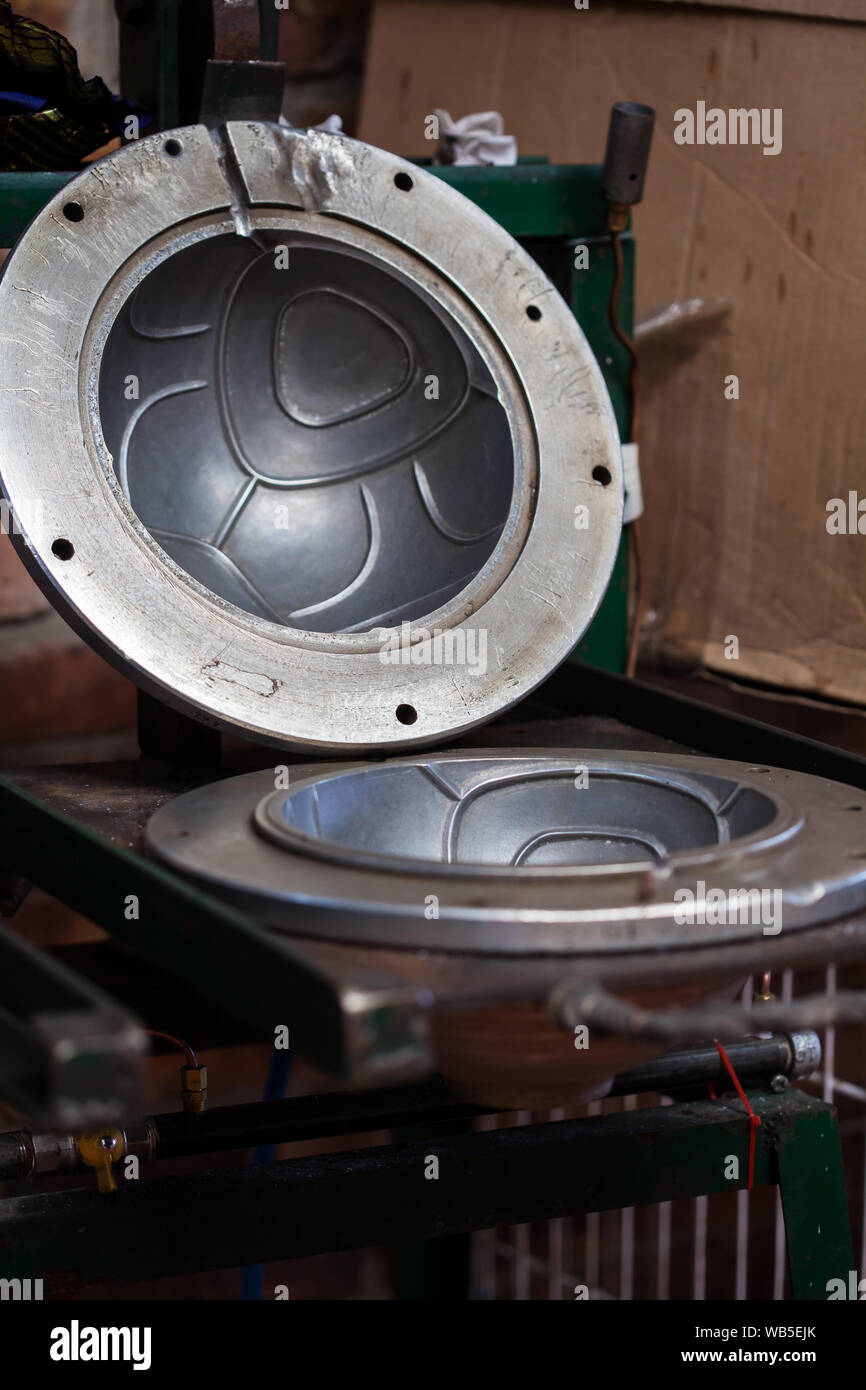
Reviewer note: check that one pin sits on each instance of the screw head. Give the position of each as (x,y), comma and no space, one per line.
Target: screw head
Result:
(779,1083)
(108,1142)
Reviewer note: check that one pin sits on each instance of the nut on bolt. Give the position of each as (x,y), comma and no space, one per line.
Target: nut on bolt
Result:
(193,1084)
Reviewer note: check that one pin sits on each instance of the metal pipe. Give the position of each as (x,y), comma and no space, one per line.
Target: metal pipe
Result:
(179,1135)
(753,1059)
(626,157)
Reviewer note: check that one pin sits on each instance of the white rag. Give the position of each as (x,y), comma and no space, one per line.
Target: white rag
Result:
(476,139)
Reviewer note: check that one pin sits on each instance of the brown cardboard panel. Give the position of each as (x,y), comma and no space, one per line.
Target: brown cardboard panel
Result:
(736,491)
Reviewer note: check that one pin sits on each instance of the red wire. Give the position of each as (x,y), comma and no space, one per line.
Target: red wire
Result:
(754,1120)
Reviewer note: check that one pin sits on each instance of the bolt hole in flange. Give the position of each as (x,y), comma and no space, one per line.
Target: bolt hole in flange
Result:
(62,548)
(404,182)
(73,212)
(173,147)
(533,312)
(602,475)
(407,714)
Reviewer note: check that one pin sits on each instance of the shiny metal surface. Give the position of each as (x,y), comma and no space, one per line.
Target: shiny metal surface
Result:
(289,410)
(806,1047)
(494,815)
(288,406)
(560,851)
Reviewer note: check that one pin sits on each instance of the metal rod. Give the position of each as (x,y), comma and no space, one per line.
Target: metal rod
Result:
(306,1117)
(179,1135)
(752,1060)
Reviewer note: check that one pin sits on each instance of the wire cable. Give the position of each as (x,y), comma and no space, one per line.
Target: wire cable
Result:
(189,1052)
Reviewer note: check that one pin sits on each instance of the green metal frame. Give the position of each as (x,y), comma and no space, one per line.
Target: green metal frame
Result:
(310,1205)
(634,1158)
(533,199)
(22,196)
(175,922)
(553,209)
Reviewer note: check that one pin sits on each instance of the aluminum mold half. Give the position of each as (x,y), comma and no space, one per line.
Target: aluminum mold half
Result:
(164,388)
(542,851)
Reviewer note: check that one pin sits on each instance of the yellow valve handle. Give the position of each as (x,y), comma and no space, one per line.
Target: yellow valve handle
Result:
(100,1149)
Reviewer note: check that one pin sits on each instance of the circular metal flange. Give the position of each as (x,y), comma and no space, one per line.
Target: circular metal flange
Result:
(201,330)
(529,852)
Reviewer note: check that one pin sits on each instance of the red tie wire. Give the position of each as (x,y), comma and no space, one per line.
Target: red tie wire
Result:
(754,1120)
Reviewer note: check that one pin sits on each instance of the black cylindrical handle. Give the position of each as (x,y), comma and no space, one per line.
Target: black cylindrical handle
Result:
(629,137)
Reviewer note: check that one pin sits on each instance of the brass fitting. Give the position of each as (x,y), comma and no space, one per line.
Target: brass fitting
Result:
(101,1149)
(766,995)
(193,1088)
(617,217)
